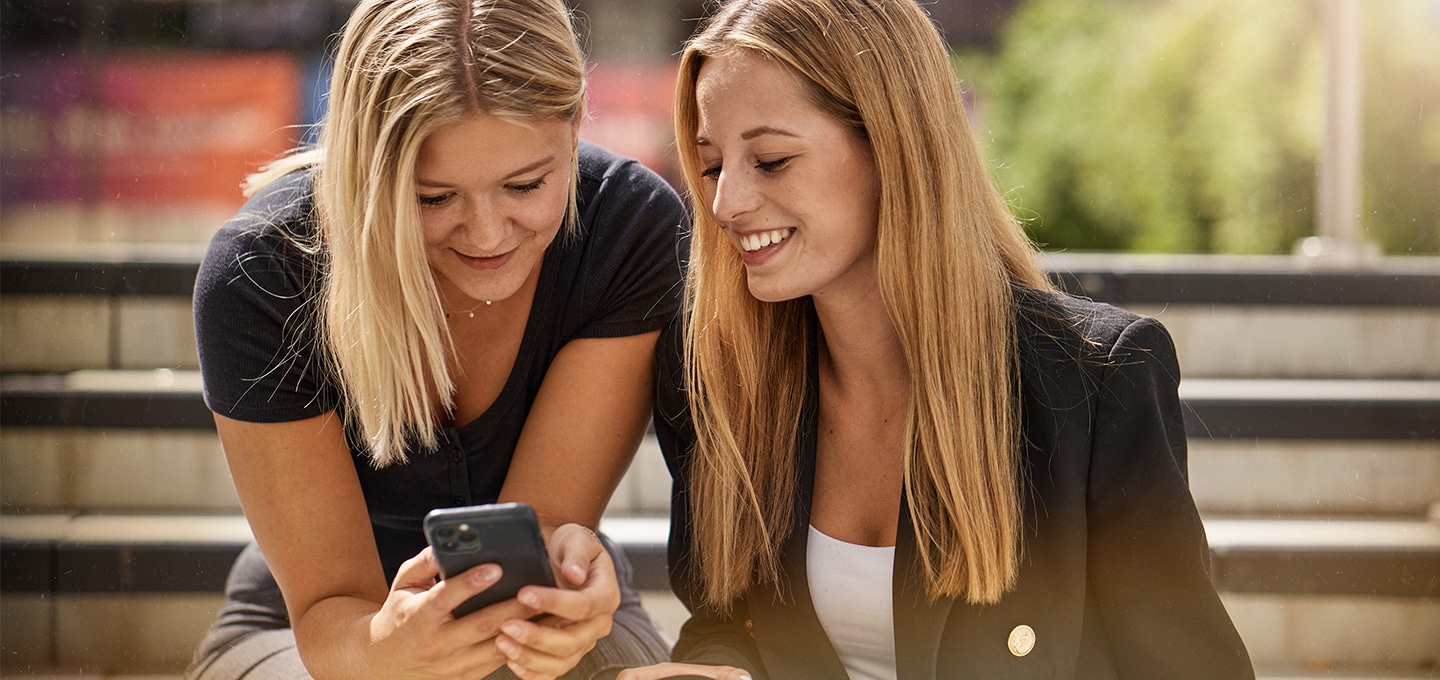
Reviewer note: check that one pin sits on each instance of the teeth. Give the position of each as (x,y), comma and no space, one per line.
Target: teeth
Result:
(753,242)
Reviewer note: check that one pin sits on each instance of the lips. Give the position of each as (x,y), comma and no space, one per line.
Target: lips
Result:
(486,263)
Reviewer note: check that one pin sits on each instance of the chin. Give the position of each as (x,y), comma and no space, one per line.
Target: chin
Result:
(771,293)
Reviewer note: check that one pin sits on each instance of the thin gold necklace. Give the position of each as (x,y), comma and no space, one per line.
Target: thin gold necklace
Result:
(468,312)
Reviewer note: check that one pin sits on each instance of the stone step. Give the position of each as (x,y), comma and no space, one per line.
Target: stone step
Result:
(1213,408)
(1257,317)
(143,440)
(66,470)
(1314,477)
(74,470)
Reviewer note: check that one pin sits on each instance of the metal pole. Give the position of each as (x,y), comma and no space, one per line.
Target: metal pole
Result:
(1338,198)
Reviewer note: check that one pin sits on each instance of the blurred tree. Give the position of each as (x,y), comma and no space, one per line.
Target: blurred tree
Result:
(1193,125)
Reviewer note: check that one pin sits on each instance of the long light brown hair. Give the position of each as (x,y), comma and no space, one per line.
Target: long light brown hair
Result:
(948,253)
(404,69)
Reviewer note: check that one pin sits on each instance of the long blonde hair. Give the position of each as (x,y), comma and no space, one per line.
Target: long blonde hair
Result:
(404,69)
(948,252)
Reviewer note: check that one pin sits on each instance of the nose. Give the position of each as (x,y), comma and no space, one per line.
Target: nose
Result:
(482,224)
(735,195)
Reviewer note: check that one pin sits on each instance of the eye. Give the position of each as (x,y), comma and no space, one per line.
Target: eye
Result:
(711,172)
(434,201)
(526,188)
(773,166)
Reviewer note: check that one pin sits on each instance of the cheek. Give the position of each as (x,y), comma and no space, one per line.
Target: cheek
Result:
(543,214)
(433,226)
(861,206)
(852,233)
(707,199)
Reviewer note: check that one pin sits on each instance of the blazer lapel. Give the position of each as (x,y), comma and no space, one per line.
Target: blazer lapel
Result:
(918,623)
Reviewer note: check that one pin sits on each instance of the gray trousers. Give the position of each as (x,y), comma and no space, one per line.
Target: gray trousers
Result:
(251,638)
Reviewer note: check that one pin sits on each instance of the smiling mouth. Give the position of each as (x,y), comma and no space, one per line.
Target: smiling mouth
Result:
(753,242)
(491,262)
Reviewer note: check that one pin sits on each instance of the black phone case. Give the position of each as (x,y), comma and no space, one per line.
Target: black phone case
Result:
(507,534)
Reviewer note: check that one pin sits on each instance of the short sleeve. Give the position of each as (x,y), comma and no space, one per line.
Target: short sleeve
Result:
(255,312)
(631,272)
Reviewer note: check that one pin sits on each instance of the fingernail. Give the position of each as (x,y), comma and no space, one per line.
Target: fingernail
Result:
(518,669)
(513,630)
(529,599)
(489,573)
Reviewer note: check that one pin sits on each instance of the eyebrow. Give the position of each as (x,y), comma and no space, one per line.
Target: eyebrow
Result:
(518,172)
(752,134)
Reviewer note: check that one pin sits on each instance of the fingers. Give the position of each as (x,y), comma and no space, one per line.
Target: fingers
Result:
(418,572)
(449,659)
(592,589)
(536,650)
(675,670)
(417,576)
(554,637)
(578,618)
(416,599)
(482,624)
(454,591)
(574,549)
(415,635)
(597,600)
(580,609)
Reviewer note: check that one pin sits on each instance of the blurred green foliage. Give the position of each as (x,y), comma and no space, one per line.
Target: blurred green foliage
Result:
(1194,125)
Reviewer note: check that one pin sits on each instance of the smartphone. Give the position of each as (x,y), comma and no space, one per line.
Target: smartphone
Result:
(506,534)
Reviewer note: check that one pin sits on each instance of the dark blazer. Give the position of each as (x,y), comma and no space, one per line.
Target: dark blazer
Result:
(1114,576)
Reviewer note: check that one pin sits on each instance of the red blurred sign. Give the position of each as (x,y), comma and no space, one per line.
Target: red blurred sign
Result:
(630,113)
(146,129)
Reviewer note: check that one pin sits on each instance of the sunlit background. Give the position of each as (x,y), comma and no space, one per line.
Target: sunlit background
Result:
(1176,126)
(1197,125)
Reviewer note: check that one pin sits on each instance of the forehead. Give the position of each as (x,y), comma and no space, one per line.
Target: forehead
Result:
(502,142)
(746,89)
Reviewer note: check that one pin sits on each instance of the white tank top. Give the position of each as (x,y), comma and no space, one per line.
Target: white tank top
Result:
(850,586)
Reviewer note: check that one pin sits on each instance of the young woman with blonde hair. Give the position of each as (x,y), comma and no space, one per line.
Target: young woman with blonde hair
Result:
(450,301)
(898,451)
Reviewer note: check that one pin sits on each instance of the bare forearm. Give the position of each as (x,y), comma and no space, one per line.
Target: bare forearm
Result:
(334,637)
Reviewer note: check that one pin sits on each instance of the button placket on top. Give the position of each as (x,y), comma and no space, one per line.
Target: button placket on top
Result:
(459,468)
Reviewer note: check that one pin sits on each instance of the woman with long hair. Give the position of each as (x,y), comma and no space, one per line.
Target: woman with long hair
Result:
(450,301)
(898,450)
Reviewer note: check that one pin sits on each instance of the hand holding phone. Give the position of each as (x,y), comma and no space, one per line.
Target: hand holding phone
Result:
(507,534)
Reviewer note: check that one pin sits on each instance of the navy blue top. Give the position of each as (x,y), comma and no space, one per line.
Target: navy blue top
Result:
(255,305)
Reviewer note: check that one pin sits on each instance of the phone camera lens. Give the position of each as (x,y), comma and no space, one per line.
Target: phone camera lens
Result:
(468,536)
(449,545)
(445,532)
